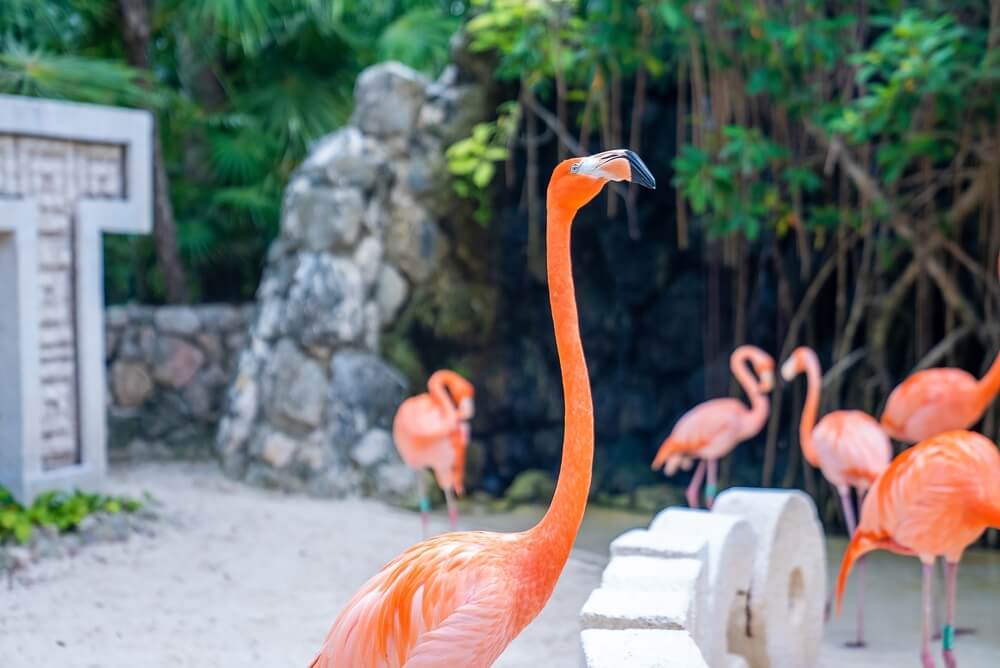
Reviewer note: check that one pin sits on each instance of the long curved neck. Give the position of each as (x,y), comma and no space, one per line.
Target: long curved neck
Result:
(437,388)
(989,385)
(759,404)
(814,380)
(552,538)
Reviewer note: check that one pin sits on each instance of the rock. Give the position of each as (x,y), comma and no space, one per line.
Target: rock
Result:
(278,450)
(374,447)
(234,429)
(390,293)
(131,385)
(379,84)
(368,257)
(413,241)
(137,344)
(324,218)
(324,304)
(115,316)
(346,158)
(219,318)
(531,486)
(363,382)
(393,481)
(176,361)
(177,320)
(211,345)
(199,400)
(298,385)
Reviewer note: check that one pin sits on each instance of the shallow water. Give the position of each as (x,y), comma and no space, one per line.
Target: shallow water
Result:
(892,595)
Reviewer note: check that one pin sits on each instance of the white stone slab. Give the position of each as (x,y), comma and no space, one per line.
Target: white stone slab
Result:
(663,544)
(640,648)
(627,609)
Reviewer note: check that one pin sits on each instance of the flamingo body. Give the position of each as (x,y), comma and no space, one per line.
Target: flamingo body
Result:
(934,401)
(851,449)
(460,598)
(425,436)
(710,430)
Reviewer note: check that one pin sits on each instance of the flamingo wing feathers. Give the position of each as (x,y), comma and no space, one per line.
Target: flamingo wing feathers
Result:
(930,402)
(703,426)
(441,602)
(852,448)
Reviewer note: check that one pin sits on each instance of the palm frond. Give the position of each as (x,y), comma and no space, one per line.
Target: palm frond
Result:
(419,38)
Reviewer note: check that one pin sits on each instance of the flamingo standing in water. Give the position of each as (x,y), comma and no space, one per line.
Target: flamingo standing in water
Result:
(459,599)
(933,401)
(849,447)
(712,429)
(431,430)
(934,500)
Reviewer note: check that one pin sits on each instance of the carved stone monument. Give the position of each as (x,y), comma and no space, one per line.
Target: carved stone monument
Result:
(68,173)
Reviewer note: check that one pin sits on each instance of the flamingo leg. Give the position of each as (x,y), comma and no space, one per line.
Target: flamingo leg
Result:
(925,648)
(948,632)
(849,518)
(692,490)
(449,498)
(424,501)
(712,487)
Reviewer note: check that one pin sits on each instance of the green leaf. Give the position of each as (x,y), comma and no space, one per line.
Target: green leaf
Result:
(483,174)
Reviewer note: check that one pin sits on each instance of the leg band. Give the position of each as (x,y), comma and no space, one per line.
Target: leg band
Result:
(710,490)
(948,637)
(425,505)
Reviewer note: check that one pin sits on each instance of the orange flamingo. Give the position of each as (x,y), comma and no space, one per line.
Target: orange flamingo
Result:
(712,429)
(431,430)
(935,499)
(459,599)
(849,447)
(933,401)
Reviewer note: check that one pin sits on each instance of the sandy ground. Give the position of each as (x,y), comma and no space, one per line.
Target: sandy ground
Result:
(241,577)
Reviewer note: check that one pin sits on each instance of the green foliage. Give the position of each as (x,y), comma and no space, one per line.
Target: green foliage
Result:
(472,161)
(62,511)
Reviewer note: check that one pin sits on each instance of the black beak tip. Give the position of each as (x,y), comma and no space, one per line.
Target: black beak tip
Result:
(640,173)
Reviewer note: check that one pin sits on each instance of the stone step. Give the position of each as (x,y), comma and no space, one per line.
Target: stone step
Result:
(640,648)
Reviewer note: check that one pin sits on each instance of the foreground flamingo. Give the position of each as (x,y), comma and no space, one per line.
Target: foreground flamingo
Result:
(459,599)
(712,429)
(933,401)
(431,430)
(934,500)
(849,447)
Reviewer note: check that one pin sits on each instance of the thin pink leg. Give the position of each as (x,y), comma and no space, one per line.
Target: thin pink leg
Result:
(694,487)
(449,498)
(948,633)
(925,648)
(852,525)
(712,486)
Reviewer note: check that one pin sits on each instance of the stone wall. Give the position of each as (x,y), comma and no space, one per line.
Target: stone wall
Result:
(168,371)
(312,404)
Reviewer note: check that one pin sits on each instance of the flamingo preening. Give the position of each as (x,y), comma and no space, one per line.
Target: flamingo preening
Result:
(711,430)
(431,430)
(933,401)
(459,599)
(849,447)
(934,500)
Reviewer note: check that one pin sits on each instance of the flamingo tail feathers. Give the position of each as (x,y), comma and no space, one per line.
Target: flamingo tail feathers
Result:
(861,544)
(664,455)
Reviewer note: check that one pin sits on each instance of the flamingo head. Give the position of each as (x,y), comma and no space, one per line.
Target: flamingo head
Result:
(762,363)
(796,363)
(462,392)
(576,181)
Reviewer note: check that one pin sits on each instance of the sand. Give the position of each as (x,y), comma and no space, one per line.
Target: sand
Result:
(241,577)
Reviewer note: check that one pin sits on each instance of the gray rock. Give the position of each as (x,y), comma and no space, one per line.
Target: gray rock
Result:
(219,318)
(211,345)
(390,293)
(176,361)
(199,400)
(324,218)
(346,158)
(531,486)
(116,316)
(413,241)
(324,304)
(374,448)
(393,481)
(298,385)
(387,99)
(278,450)
(368,257)
(131,384)
(177,320)
(137,343)
(364,382)
(235,428)
(373,326)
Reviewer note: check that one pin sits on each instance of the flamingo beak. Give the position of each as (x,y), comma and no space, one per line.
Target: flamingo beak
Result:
(617,165)
(788,369)
(467,408)
(767,380)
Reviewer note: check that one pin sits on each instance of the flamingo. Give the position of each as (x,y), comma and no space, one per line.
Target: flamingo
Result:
(712,429)
(849,447)
(933,401)
(935,499)
(459,599)
(431,430)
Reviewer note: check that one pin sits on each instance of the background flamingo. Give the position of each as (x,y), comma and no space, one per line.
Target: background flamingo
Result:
(933,401)
(711,430)
(431,430)
(459,599)
(935,499)
(849,447)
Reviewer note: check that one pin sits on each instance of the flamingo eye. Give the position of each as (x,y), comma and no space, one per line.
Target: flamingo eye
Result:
(575,167)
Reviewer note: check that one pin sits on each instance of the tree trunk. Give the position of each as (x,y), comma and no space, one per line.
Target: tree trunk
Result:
(136,35)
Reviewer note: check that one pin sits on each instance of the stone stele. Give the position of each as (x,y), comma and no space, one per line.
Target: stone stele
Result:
(68,173)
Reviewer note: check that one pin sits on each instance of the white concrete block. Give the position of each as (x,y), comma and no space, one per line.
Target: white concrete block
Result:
(781,624)
(729,548)
(627,609)
(735,661)
(640,648)
(666,545)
